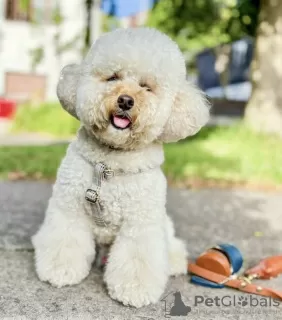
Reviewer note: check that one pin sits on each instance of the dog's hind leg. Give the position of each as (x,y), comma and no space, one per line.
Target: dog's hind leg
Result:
(177,251)
(64,245)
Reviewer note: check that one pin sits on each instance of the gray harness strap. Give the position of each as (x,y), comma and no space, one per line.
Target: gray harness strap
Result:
(92,194)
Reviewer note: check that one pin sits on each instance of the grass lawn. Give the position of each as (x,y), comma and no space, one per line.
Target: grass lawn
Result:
(30,161)
(48,118)
(232,155)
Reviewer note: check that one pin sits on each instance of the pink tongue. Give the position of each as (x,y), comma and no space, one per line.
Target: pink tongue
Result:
(121,122)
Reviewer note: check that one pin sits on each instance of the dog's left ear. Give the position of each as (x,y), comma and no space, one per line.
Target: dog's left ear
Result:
(189,113)
(67,88)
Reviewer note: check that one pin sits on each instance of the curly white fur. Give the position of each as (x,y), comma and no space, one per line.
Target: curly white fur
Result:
(144,250)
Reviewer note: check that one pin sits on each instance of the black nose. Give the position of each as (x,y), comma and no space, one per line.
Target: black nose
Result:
(125,102)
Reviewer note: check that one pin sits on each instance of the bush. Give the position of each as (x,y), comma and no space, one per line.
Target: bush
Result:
(45,118)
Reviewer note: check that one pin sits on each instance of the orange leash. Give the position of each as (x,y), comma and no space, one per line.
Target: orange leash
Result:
(218,267)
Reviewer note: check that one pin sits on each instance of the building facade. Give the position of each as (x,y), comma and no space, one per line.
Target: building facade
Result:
(36,41)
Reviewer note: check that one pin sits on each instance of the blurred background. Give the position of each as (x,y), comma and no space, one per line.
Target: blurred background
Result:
(233,52)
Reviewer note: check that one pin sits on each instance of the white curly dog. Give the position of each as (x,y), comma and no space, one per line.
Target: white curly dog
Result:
(131,95)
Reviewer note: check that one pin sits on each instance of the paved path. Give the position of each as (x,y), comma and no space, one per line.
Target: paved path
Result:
(8,138)
(30,139)
(202,218)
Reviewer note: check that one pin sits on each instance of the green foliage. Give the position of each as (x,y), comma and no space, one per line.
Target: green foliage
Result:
(37,55)
(47,118)
(57,17)
(62,47)
(24,4)
(248,15)
(109,23)
(198,24)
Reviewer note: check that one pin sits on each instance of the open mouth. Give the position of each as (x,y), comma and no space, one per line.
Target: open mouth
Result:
(120,122)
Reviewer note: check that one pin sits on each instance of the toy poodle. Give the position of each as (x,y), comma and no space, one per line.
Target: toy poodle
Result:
(131,95)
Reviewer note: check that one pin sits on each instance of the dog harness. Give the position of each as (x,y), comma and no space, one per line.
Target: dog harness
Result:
(218,267)
(92,194)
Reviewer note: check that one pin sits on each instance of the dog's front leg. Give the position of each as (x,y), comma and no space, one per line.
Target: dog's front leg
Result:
(138,267)
(64,245)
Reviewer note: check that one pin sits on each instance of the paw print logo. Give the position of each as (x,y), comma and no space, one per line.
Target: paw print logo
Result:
(242,301)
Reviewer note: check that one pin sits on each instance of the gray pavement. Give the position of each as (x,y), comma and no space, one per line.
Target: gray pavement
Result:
(8,138)
(30,139)
(252,221)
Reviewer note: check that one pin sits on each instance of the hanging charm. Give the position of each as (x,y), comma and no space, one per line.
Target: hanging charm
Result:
(92,194)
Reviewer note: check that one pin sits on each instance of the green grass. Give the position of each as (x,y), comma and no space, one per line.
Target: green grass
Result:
(31,161)
(45,118)
(233,154)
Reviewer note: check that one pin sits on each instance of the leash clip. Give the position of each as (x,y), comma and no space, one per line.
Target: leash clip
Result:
(231,277)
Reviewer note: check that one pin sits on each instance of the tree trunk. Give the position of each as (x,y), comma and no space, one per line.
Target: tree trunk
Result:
(88,8)
(264,109)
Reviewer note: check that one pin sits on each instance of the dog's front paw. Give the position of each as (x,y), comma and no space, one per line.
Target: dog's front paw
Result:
(62,270)
(136,290)
(62,266)
(59,273)
(135,284)
(136,295)
(177,258)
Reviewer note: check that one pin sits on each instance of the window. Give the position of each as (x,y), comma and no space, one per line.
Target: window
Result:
(38,11)
(15,10)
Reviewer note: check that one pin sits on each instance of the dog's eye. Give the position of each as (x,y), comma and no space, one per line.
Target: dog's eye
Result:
(113,78)
(144,85)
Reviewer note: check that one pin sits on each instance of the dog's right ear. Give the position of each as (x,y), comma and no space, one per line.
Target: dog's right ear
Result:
(67,88)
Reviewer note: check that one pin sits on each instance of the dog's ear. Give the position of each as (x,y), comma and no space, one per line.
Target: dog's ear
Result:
(67,88)
(189,113)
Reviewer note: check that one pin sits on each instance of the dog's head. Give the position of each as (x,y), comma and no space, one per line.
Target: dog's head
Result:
(131,90)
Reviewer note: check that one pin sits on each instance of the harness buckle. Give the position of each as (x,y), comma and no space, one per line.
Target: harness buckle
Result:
(91,195)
